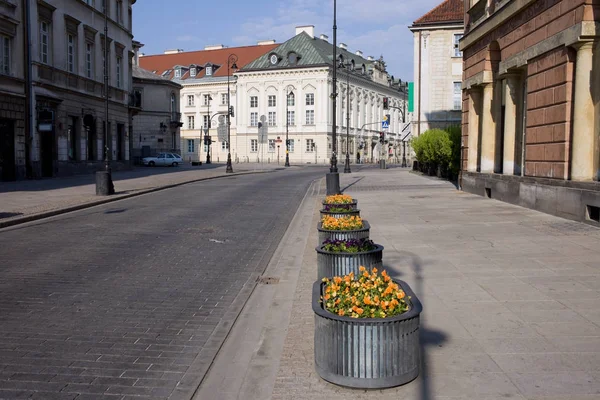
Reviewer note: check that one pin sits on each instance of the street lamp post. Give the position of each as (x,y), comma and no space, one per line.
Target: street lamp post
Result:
(231,64)
(333,177)
(207,139)
(287,125)
(347,164)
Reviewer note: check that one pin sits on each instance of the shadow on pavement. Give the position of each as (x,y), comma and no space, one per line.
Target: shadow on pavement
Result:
(9,214)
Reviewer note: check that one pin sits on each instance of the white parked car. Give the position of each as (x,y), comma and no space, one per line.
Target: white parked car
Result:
(170,159)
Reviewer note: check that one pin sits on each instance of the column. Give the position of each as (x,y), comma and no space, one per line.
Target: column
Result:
(473,139)
(488,130)
(583,161)
(511,118)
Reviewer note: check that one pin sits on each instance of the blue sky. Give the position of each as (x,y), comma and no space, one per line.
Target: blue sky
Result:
(377,27)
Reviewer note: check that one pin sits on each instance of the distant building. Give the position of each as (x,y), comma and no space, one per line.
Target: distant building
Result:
(531,104)
(66,102)
(438,67)
(156,112)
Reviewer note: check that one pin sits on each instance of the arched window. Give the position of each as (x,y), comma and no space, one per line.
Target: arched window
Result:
(291,99)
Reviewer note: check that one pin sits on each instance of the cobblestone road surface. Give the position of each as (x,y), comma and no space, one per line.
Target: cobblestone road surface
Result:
(134,298)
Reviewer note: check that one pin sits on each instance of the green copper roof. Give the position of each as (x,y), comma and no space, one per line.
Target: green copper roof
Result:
(311,52)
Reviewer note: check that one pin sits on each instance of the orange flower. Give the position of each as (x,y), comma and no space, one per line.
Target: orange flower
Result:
(337,279)
(359,310)
(367,300)
(401,295)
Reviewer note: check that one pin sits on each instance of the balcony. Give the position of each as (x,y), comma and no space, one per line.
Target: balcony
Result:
(135,100)
(176,120)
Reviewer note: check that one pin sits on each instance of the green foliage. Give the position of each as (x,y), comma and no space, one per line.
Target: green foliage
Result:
(455,135)
(433,147)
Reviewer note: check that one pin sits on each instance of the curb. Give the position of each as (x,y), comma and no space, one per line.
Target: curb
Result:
(64,210)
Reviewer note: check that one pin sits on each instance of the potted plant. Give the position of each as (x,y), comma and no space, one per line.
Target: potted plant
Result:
(347,227)
(366,330)
(341,200)
(337,257)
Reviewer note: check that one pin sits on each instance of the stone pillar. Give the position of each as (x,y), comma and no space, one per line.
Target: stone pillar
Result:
(473,139)
(584,151)
(488,130)
(511,119)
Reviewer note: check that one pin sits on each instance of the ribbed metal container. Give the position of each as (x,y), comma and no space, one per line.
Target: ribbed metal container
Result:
(353,205)
(352,213)
(367,353)
(362,233)
(331,264)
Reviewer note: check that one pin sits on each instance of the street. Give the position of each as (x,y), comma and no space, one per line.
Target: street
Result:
(136,297)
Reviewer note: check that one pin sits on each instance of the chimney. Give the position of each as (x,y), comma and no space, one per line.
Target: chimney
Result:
(370,58)
(214,47)
(343,46)
(266,42)
(325,37)
(173,51)
(359,53)
(136,52)
(309,29)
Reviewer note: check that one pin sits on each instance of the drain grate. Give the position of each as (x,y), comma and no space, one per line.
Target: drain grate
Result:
(267,280)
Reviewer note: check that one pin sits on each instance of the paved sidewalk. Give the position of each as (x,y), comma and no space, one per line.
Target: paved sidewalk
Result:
(510,300)
(23,201)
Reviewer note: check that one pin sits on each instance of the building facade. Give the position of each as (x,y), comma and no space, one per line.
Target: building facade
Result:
(531,104)
(156,116)
(57,128)
(203,76)
(288,90)
(438,67)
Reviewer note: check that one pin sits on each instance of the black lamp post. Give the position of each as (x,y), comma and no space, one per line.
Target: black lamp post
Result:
(231,64)
(347,164)
(333,177)
(287,125)
(207,139)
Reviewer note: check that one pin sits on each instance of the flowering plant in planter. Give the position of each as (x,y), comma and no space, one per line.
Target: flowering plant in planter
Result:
(347,223)
(368,295)
(339,199)
(338,208)
(348,245)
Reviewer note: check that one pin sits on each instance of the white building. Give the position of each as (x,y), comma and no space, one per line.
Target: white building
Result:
(66,100)
(438,67)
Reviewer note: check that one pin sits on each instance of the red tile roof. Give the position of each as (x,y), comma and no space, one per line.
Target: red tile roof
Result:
(163,62)
(448,11)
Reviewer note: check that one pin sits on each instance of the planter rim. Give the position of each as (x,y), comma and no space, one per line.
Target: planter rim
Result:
(354,201)
(365,227)
(377,248)
(414,310)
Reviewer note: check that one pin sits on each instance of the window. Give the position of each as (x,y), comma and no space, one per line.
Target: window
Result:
(253,145)
(193,72)
(191,122)
(271,145)
(4,54)
(457,96)
(207,99)
(292,58)
(71,48)
(89,2)
(272,101)
(209,70)
(223,99)
(310,117)
(310,145)
(254,119)
(173,103)
(310,99)
(291,100)
(291,118)
(191,147)
(291,145)
(178,73)
(253,101)
(89,60)
(272,118)
(457,52)
(119,72)
(205,122)
(44,42)
(190,100)
(120,12)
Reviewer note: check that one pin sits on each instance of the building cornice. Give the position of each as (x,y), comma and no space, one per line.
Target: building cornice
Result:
(434,27)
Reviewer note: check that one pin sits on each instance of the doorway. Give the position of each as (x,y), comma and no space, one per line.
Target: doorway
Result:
(47,153)
(89,122)
(120,142)
(8,171)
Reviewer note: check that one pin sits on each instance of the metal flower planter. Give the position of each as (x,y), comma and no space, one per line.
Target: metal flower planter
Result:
(330,264)
(362,233)
(367,353)
(351,213)
(353,205)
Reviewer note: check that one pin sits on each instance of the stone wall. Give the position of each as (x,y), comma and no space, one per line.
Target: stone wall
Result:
(13,108)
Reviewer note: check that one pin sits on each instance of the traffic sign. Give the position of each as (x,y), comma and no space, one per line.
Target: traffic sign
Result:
(385,124)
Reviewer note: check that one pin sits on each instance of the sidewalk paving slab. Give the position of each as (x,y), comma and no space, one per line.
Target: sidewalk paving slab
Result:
(509,294)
